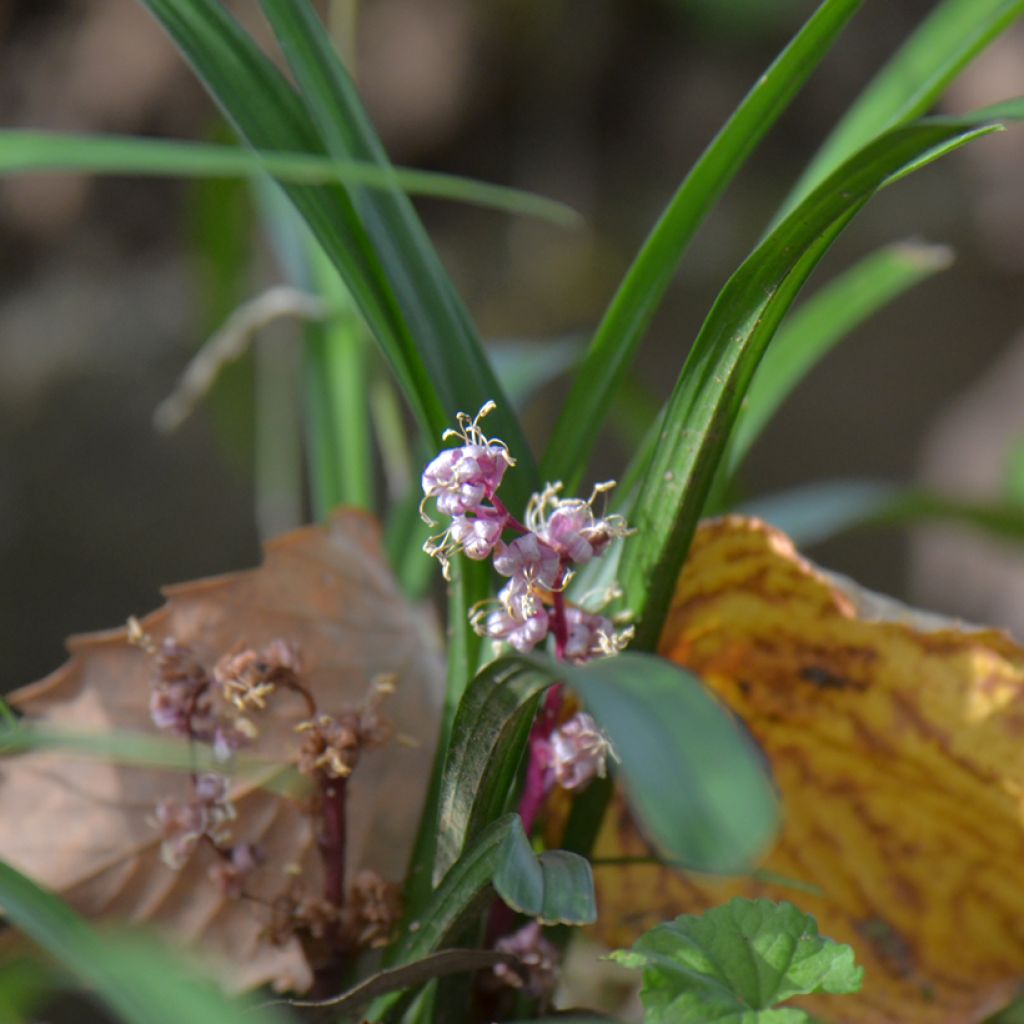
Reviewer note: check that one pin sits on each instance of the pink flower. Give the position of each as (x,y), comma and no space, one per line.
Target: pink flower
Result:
(521,633)
(462,478)
(528,558)
(477,537)
(569,526)
(589,636)
(577,752)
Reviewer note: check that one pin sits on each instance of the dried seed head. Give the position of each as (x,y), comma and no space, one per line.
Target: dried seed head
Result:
(371,910)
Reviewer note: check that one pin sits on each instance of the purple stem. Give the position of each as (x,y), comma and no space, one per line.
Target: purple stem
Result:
(332,838)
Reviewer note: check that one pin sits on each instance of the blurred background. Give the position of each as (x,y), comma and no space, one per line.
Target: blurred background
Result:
(108,286)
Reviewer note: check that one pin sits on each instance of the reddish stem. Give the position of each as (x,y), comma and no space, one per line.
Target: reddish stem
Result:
(510,520)
(332,837)
(535,790)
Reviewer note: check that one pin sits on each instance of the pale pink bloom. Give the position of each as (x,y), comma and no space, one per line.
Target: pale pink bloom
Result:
(461,479)
(477,537)
(522,634)
(569,525)
(577,752)
(529,558)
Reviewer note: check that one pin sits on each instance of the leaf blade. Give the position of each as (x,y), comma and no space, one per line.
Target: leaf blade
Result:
(633,305)
(57,152)
(444,334)
(140,984)
(907,85)
(706,401)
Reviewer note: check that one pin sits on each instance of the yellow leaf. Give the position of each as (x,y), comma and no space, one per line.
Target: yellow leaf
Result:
(897,742)
(84,827)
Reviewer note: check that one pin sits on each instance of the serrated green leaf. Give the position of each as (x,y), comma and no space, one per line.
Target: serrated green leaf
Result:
(710,390)
(556,887)
(735,963)
(637,298)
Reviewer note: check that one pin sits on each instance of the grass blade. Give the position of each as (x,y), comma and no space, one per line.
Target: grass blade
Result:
(55,152)
(814,512)
(140,982)
(627,317)
(708,396)
(910,82)
(444,334)
(267,113)
(821,323)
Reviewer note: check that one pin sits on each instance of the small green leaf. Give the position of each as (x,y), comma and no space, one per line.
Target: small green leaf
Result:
(491,727)
(1013,482)
(556,887)
(734,963)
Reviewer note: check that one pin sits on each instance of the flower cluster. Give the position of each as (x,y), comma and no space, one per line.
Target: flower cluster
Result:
(558,535)
(183,824)
(212,707)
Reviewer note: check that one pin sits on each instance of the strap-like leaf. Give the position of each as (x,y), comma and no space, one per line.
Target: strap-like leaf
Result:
(637,298)
(140,982)
(23,151)
(910,81)
(692,775)
(434,313)
(718,372)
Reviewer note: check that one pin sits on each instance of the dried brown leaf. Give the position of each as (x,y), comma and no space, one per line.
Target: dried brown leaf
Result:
(83,827)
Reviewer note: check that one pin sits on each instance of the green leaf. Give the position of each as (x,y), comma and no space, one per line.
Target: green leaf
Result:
(443,333)
(1013,483)
(910,81)
(815,512)
(719,811)
(821,323)
(131,748)
(556,887)
(732,964)
(371,235)
(709,394)
(419,972)
(695,779)
(140,982)
(465,890)
(633,305)
(58,152)
(488,736)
